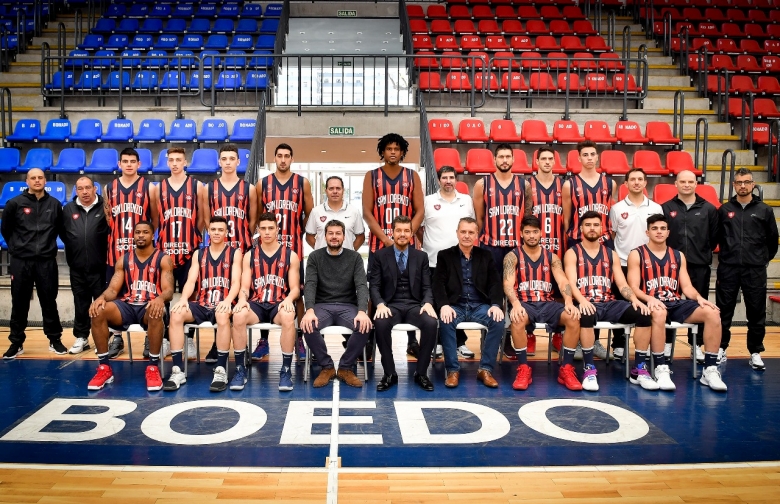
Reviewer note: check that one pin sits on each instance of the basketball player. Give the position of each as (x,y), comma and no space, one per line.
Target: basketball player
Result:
(270,284)
(389,191)
(501,200)
(528,285)
(658,275)
(145,277)
(547,190)
(589,191)
(594,268)
(288,196)
(214,278)
(236,200)
(129,199)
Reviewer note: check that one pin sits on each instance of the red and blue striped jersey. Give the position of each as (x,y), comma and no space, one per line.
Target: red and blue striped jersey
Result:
(585,198)
(214,276)
(548,208)
(594,274)
(269,275)
(660,278)
(534,279)
(504,210)
(179,235)
(142,279)
(392,197)
(286,202)
(128,207)
(233,205)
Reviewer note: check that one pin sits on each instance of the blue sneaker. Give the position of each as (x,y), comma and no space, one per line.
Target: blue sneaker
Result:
(239,379)
(285,379)
(261,350)
(301,349)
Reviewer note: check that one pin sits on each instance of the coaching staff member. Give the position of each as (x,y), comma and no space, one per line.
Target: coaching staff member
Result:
(85,235)
(748,241)
(31,223)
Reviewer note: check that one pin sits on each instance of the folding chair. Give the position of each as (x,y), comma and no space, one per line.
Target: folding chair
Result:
(694,328)
(609,326)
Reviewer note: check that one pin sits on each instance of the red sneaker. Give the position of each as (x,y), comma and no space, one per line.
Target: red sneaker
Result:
(153,379)
(531,346)
(568,377)
(523,378)
(103,377)
(557,342)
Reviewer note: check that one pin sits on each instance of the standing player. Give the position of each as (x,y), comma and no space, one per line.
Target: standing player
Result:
(528,285)
(288,196)
(389,191)
(501,200)
(128,200)
(269,287)
(547,191)
(590,191)
(658,275)
(215,277)
(144,278)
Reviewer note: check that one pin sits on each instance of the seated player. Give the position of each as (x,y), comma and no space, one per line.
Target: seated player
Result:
(594,268)
(528,275)
(215,273)
(144,279)
(269,288)
(658,274)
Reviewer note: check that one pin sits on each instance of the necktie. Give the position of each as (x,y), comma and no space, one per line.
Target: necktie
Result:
(401,262)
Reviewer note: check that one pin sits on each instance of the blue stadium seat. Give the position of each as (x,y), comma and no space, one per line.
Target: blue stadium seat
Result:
(243,130)
(97,186)
(187,59)
(213,130)
(142,42)
(155,59)
(57,81)
(216,42)
(70,161)
(138,10)
(115,80)
(242,43)
(211,59)
(167,42)
(127,26)
(104,59)
(130,59)
(88,130)
(273,10)
(117,42)
(256,79)
(104,26)
(172,80)
(229,10)
(150,130)
(115,11)
(229,80)
(204,161)
(145,163)
(235,60)
(145,80)
(160,11)
(266,42)
(57,130)
(207,10)
(252,11)
(57,191)
(60,244)
(119,130)
(261,59)
(162,163)
(243,158)
(223,26)
(269,25)
(89,80)
(76,58)
(3,244)
(175,26)
(152,26)
(103,161)
(11,190)
(26,130)
(92,42)
(195,79)
(199,26)
(36,158)
(247,26)
(192,43)
(9,160)
(182,130)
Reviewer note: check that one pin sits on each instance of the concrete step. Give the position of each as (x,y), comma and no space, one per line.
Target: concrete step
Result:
(691,103)
(29,57)
(21,77)
(760,175)
(679,81)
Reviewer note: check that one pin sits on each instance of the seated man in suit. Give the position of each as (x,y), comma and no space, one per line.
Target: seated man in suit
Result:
(400,287)
(335,293)
(467,288)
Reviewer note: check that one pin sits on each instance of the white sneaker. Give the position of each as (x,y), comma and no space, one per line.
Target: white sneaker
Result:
(663,378)
(599,350)
(80,345)
(464,352)
(165,351)
(191,350)
(711,378)
(439,351)
(589,381)
(176,380)
(220,381)
(640,376)
(721,356)
(668,350)
(617,353)
(756,362)
(699,354)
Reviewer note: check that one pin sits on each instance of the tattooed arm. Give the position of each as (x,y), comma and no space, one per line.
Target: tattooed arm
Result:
(625,289)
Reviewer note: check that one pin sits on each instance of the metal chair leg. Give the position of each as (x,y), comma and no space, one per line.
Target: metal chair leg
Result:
(129,346)
(694,334)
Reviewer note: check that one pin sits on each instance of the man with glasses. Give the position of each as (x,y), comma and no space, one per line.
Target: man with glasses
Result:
(748,241)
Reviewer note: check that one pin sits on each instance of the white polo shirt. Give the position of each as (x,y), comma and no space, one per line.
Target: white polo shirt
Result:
(629,222)
(350,215)
(441,222)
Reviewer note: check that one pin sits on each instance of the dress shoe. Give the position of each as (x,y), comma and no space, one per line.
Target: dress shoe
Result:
(424,382)
(386,382)
(348,377)
(325,377)
(413,349)
(452,379)
(486,377)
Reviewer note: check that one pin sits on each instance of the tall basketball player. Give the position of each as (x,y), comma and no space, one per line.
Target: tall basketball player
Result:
(389,191)
(129,199)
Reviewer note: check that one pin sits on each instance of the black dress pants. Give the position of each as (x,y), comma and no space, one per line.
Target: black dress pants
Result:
(41,274)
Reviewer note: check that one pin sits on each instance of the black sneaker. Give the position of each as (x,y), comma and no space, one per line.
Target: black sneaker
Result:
(211,358)
(57,347)
(13,351)
(116,347)
(146,347)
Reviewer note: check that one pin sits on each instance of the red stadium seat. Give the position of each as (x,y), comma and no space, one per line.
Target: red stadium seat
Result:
(528,12)
(584,28)
(697,44)
(446,43)
(772,46)
(566,132)
(472,131)
(771,63)
(598,131)
(614,162)
(457,81)
(660,133)
(709,30)
(747,63)
(597,44)
(625,82)
(584,61)
(418,26)
(471,43)
(465,27)
(649,162)
(452,60)
(459,12)
(573,164)
(559,27)
(542,81)
(761,134)
(520,43)
(765,108)
(722,62)
(512,26)
(422,43)
(750,46)
(732,30)
(707,192)
(441,27)
(488,27)
(506,12)
(736,16)
(488,83)
(663,193)
(479,59)
(514,83)
(536,27)
(678,161)
(570,81)
(415,11)
(715,15)
(727,46)
(430,81)
(754,30)
(712,83)
(462,187)
(482,12)
(610,62)
(426,61)
(629,133)
(441,130)
(560,62)
(503,131)
(533,60)
(496,43)
(692,14)
(572,43)
(534,131)
(521,165)
(572,12)
(503,59)
(738,108)
(550,12)
(758,15)
(557,165)
(447,156)
(547,43)
(437,11)
(597,83)
(768,85)
(480,161)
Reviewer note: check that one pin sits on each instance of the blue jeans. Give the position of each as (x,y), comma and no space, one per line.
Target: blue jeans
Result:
(471,313)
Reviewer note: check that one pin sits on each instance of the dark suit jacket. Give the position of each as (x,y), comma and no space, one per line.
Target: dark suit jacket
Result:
(448,278)
(384,276)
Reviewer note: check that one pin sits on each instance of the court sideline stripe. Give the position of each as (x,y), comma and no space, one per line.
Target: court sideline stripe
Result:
(333,457)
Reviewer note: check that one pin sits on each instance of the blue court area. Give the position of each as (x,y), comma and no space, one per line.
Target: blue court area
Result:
(48,416)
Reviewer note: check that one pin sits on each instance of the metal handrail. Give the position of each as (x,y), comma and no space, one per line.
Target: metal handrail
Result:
(611,29)
(726,153)
(61,40)
(6,110)
(679,117)
(626,49)
(21,31)
(702,138)
(774,151)
(649,31)
(426,150)
(257,150)
(4,49)
(78,28)
(747,120)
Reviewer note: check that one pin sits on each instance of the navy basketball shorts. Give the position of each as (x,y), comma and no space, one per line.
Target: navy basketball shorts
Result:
(202,314)
(616,312)
(266,312)
(544,312)
(131,314)
(680,310)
